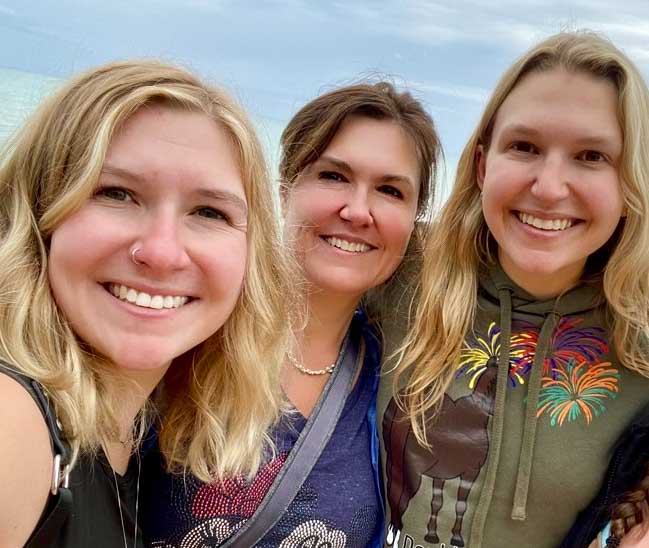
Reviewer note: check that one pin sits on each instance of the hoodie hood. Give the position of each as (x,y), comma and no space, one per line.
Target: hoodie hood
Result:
(577,300)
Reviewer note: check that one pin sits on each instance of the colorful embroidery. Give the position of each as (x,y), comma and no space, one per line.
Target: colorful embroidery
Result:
(567,342)
(576,390)
(574,383)
(475,358)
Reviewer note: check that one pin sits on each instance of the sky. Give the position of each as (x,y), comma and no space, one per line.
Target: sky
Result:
(275,55)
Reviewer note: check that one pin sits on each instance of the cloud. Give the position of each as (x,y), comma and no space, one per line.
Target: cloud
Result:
(4,10)
(468,93)
(508,23)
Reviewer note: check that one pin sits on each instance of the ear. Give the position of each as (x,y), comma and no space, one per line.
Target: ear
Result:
(481,165)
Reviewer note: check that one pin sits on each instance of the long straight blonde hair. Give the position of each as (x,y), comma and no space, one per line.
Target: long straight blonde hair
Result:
(221,398)
(447,296)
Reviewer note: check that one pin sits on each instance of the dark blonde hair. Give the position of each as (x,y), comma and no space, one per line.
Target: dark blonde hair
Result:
(220,406)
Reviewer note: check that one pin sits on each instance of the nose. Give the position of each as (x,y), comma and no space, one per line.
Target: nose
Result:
(160,246)
(356,209)
(552,181)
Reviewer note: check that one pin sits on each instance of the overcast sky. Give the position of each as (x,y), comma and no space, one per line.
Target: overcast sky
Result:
(275,55)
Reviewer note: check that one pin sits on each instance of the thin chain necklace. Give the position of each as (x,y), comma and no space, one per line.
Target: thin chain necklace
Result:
(300,367)
(137,503)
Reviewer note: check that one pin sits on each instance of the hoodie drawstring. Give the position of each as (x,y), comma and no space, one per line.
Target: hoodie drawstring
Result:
(495,443)
(519,508)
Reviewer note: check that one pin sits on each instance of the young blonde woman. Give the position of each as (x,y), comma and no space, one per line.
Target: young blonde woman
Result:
(526,358)
(357,172)
(136,242)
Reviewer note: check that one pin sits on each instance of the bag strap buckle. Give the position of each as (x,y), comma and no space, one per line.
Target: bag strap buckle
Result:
(60,475)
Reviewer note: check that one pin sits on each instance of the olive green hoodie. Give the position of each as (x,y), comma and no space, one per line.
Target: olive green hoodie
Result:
(524,433)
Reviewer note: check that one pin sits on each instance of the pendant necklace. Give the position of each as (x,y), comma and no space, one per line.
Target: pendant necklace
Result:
(137,503)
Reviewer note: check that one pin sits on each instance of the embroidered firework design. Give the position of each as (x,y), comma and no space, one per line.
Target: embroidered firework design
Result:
(575,384)
(477,357)
(570,342)
(578,390)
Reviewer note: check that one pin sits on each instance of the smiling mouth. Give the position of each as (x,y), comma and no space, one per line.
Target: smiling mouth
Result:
(140,298)
(554,225)
(345,245)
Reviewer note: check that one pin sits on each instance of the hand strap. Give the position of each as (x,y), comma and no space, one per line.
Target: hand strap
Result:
(307,449)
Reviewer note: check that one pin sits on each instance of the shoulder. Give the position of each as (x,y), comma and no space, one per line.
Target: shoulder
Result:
(25,462)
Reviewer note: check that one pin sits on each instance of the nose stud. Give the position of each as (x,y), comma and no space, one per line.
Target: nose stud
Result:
(134,258)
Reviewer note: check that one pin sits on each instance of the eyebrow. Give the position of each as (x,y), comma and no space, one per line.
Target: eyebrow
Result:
(209,193)
(387,178)
(224,196)
(592,140)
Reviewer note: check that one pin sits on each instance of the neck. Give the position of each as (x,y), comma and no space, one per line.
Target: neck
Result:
(543,285)
(329,317)
(133,389)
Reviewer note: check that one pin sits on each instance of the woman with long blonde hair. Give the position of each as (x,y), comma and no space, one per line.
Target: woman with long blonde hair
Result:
(137,241)
(526,355)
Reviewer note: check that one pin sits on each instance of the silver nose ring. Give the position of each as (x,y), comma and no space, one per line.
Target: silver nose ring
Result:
(134,258)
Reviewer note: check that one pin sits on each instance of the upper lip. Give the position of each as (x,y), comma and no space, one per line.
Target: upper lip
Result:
(348,238)
(144,288)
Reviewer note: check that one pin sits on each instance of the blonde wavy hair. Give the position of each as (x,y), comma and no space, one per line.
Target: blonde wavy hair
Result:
(447,296)
(220,398)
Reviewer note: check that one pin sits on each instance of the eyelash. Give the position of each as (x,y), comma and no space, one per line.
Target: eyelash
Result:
(531,149)
(602,157)
(338,177)
(332,176)
(220,215)
(516,146)
(391,191)
(107,190)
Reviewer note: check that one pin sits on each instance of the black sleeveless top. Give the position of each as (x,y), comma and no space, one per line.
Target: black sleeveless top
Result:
(87,513)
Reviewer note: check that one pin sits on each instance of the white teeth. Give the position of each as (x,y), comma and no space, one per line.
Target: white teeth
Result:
(131,296)
(353,247)
(140,298)
(143,299)
(544,224)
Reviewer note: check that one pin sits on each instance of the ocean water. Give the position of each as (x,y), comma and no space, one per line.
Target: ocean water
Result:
(20,94)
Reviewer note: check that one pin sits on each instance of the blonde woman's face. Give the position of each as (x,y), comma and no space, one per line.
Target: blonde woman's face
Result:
(551,192)
(352,212)
(154,262)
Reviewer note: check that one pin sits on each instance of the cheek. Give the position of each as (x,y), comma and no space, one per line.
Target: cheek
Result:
(69,256)
(310,205)
(225,269)
(399,228)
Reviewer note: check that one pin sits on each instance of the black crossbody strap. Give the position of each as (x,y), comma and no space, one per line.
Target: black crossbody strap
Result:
(59,445)
(308,447)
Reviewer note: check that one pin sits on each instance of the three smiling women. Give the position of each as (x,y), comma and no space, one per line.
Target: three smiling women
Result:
(145,301)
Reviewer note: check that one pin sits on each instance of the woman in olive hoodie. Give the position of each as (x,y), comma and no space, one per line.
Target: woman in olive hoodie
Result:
(523,360)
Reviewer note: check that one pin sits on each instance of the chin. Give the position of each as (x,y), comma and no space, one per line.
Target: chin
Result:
(141,360)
